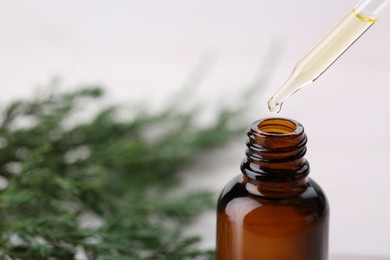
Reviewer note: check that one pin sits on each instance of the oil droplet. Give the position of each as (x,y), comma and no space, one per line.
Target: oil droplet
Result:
(273,106)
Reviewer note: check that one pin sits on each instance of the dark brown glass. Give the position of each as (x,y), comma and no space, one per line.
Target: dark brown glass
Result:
(273,211)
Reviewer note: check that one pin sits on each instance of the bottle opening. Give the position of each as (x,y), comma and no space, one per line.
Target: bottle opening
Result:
(276,133)
(277,126)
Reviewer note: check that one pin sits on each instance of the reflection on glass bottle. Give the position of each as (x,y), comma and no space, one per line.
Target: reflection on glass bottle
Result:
(273,211)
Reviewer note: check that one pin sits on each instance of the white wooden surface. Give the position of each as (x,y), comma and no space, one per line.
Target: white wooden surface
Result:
(356,257)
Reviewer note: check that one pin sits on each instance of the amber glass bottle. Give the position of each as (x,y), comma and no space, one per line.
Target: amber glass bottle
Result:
(273,211)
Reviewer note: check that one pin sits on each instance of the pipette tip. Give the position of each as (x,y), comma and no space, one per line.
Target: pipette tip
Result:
(273,106)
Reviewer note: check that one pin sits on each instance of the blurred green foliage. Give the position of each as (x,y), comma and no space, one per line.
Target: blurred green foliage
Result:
(58,177)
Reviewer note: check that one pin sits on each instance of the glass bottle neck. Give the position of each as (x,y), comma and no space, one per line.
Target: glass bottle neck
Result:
(275,163)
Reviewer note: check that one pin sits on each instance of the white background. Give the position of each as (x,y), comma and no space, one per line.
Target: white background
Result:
(148,49)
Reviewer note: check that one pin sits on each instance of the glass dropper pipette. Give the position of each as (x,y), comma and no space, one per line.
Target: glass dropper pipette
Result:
(335,43)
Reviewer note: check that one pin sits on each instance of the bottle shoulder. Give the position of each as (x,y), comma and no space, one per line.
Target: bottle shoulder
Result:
(236,194)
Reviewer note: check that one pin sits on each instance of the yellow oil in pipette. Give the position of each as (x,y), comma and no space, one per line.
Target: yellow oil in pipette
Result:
(322,56)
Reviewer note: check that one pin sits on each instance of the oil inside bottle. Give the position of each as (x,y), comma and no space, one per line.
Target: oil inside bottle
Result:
(322,56)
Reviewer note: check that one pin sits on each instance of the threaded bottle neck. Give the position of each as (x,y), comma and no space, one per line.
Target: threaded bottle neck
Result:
(275,155)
